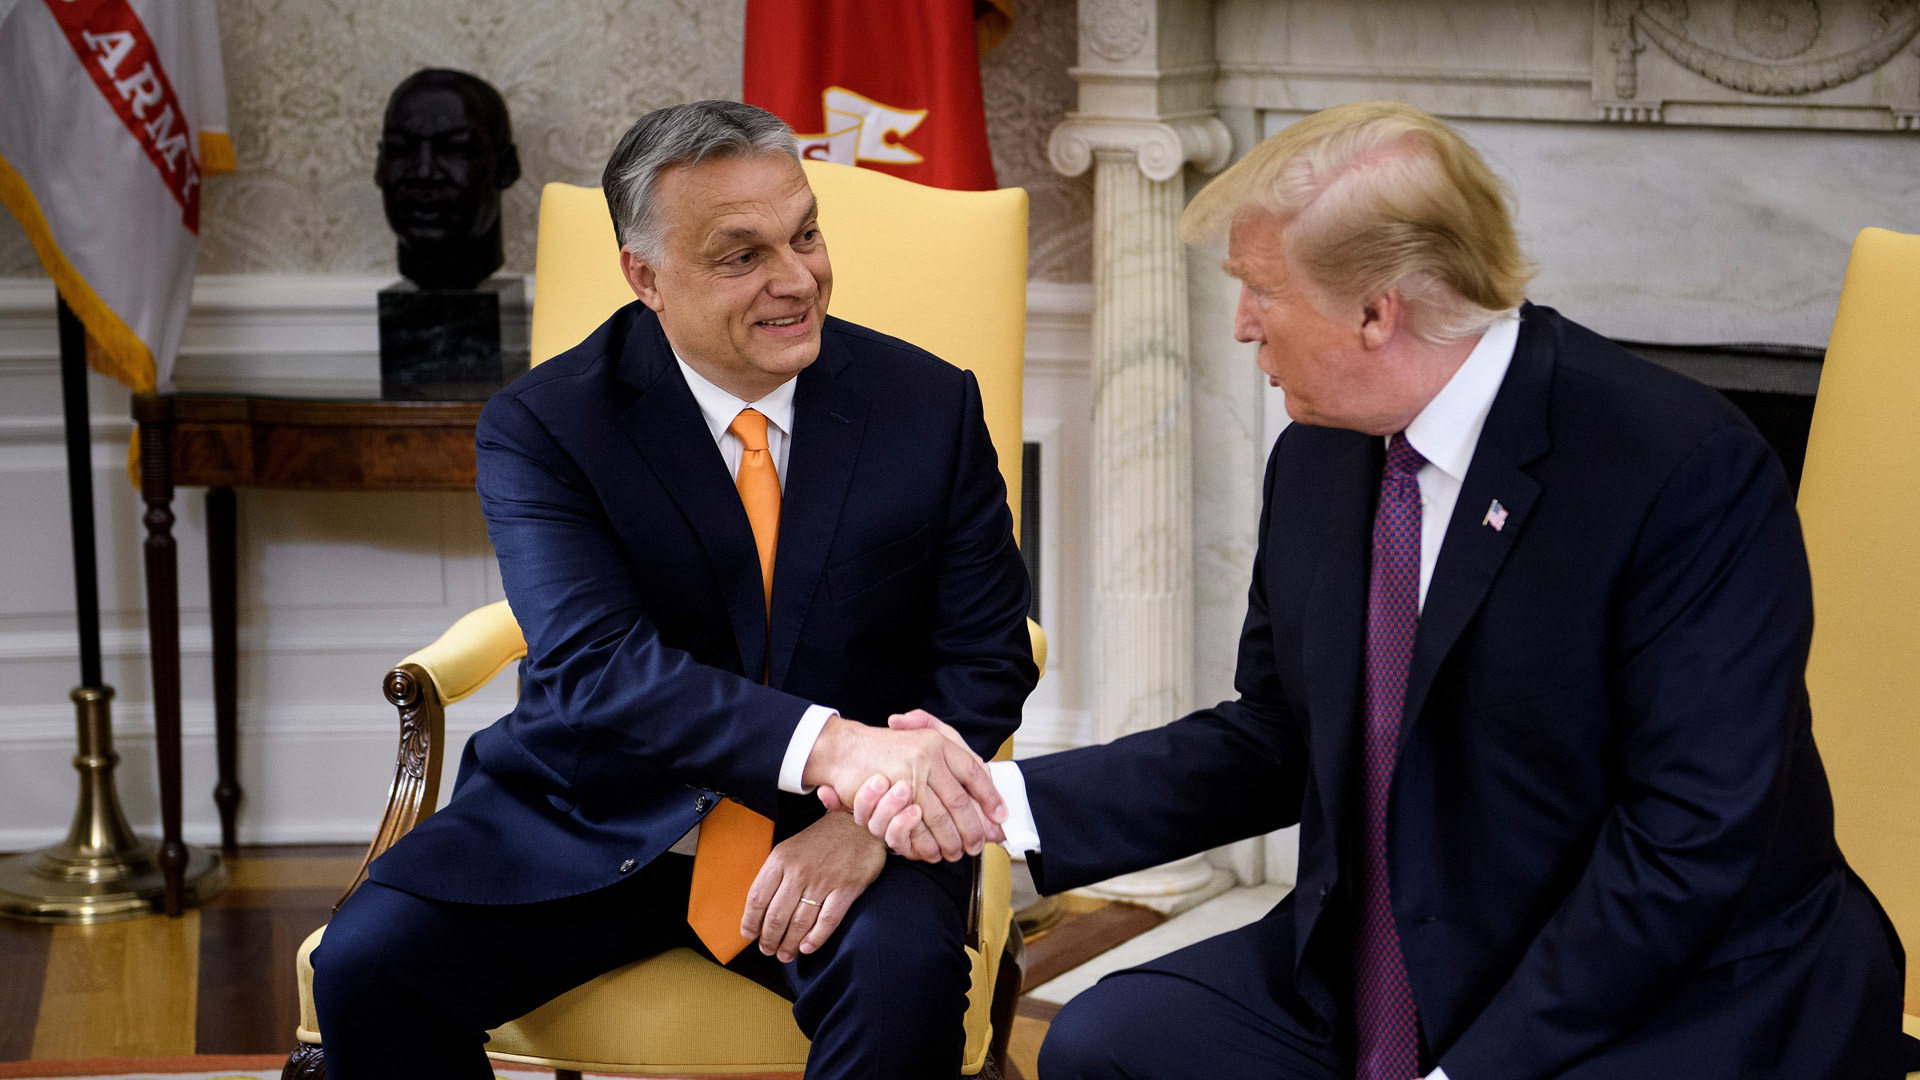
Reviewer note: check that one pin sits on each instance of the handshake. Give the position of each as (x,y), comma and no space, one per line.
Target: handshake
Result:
(914,784)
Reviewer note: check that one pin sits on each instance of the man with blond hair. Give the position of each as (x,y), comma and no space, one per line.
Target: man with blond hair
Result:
(1522,658)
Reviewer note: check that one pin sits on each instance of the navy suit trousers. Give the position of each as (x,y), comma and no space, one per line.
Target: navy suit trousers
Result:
(1208,1011)
(407,987)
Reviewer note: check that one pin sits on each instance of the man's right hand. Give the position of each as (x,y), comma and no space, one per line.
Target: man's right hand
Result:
(949,786)
(888,811)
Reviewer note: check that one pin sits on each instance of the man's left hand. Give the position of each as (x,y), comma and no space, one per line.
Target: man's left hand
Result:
(829,863)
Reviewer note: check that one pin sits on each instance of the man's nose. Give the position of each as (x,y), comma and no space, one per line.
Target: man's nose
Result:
(790,276)
(418,162)
(1246,323)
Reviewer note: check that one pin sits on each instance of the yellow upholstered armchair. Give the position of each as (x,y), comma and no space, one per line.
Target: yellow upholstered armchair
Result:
(945,270)
(1860,512)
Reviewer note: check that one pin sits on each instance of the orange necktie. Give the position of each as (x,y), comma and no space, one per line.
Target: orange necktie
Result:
(735,841)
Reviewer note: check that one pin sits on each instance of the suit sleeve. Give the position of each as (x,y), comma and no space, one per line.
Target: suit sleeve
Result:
(1714,615)
(1210,778)
(981,653)
(572,591)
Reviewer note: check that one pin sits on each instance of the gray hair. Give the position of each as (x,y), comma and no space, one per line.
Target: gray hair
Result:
(680,135)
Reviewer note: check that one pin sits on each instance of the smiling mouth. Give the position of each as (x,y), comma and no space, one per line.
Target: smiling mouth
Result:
(791,320)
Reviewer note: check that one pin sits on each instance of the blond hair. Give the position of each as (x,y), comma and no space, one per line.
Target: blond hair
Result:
(1374,196)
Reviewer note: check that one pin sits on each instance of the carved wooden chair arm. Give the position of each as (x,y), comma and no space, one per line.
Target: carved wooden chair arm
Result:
(465,658)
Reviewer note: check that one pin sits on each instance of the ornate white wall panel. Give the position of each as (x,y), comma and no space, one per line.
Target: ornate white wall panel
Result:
(1838,64)
(1510,58)
(1762,63)
(334,588)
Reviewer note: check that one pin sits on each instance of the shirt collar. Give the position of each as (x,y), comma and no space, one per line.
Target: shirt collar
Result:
(719,407)
(1448,429)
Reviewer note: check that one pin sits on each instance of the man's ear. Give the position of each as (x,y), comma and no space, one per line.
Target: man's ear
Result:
(1380,318)
(506,168)
(642,278)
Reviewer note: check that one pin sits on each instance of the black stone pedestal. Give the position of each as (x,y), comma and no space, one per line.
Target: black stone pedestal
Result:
(452,344)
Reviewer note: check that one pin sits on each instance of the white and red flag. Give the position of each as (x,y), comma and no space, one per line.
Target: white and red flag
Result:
(892,85)
(111,112)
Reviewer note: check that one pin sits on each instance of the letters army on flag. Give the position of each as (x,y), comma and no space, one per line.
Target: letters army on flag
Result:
(111,112)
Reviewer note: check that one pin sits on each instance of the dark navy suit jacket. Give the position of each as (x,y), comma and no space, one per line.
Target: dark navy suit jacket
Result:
(1610,834)
(631,568)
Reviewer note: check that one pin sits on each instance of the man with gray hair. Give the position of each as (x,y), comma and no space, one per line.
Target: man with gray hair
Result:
(738,535)
(1522,659)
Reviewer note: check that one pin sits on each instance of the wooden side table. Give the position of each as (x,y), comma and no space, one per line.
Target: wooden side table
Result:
(222,442)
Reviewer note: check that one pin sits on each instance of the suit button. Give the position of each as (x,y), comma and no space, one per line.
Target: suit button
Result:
(1323,892)
(700,804)
(627,867)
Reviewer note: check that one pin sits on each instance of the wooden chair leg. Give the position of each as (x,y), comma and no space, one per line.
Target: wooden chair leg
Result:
(1006,1001)
(305,1063)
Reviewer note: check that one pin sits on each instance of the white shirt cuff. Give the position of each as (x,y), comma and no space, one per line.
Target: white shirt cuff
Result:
(1437,1074)
(793,767)
(1023,835)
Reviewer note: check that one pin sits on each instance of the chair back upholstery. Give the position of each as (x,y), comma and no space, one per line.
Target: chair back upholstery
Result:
(945,270)
(1860,511)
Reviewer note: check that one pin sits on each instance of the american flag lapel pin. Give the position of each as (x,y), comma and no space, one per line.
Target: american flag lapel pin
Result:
(1496,516)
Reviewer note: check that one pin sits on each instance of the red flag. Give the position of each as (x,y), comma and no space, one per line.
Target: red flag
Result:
(892,85)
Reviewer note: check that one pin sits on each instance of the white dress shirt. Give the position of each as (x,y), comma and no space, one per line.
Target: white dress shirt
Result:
(1445,433)
(719,408)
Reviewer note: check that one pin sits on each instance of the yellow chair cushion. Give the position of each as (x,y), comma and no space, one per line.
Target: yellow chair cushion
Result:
(680,1013)
(1861,518)
(676,1012)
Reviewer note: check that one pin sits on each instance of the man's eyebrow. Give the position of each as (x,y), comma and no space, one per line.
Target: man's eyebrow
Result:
(738,233)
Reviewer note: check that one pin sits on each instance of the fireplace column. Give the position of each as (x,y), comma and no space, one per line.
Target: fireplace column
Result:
(1142,629)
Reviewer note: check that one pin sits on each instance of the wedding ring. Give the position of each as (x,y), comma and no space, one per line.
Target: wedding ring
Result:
(815,903)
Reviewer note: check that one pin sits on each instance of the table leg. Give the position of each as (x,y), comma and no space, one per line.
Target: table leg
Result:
(163,630)
(220,588)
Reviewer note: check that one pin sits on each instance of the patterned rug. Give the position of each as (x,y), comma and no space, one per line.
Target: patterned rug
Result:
(198,1067)
(235,1067)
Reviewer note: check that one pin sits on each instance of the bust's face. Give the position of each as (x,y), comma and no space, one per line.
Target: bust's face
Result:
(438,169)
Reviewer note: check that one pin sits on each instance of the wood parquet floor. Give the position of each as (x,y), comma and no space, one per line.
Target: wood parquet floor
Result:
(219,980)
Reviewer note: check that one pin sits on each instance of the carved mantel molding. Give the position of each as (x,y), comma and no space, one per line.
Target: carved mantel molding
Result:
(1835,65)
(1786,63)
(1161,147)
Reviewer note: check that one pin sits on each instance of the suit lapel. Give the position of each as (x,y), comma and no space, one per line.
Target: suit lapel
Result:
(1515,435)
(666,427)
(1333,634)
(829,422)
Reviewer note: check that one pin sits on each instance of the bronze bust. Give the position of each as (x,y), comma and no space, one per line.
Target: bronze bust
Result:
(446,153)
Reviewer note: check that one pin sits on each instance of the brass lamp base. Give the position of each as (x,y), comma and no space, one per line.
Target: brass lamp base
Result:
(102,871)
(53,885)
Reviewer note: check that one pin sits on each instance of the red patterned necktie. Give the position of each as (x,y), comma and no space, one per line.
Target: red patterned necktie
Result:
(1387,1026)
